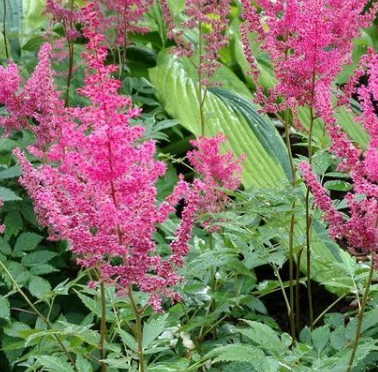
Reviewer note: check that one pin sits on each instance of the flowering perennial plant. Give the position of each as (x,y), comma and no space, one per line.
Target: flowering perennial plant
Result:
(95,186)
(360,228)
(308,43)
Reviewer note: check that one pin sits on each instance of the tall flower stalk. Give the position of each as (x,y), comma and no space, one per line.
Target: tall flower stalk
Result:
(308,43)
(208,19)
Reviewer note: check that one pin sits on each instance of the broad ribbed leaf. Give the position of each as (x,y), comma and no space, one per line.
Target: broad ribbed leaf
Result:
(225,112)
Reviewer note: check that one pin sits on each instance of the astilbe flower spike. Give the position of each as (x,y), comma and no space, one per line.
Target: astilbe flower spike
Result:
(95,187)
(217,173)
(360,228)
(209,18)
(308,42)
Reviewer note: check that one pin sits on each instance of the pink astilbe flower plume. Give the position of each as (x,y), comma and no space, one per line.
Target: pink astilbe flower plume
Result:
(217,172)
(360,228)
(209,19)
(308,42)
(95,187)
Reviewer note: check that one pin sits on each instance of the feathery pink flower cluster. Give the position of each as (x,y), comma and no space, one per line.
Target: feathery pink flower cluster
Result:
(64,12)
(209,18)
(128,14)
(360,229)
(308,42)
(218,172)
(37,100)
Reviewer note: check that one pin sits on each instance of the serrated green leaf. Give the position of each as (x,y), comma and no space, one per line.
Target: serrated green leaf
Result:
(26,242)
(94,306)
(83,365)
(5,248)
(128,339)
(320,338)
(262,335)
(54,364)
(8,195)
(39,257)
(243,353)
(38,286)
(4,308)
(153,329)
(11,172)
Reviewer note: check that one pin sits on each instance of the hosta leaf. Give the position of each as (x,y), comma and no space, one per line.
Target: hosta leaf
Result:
(13,16)
(225,112)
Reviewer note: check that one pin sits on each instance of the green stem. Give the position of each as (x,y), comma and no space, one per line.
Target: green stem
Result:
(201,100)
(328,309)
(70,60)
(291,232)
(361,317)
(103,327)
(297,290)
(5,29)
(39,314)
(138,321)
(308,227)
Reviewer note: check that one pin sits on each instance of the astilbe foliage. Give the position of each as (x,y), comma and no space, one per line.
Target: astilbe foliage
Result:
(308,42)
(209,19)
(360,227)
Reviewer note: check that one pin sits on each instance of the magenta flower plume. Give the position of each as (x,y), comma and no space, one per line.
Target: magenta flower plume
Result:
(360,229)
(209,17)
(217,172)
(308,43)
(127,17)
(95,187)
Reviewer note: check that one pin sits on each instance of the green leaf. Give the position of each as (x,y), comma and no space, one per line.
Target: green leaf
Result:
(54,364)
(11,172)
(8,195)
(152,330)
(262,335)
(39,257)
(247,132)
(94,306)
(4,308)
(38,286)
(83,365)
(338,185)
(128,339)
(243,353)
(27,241)
(5,248)
(320,338)
(7,145)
